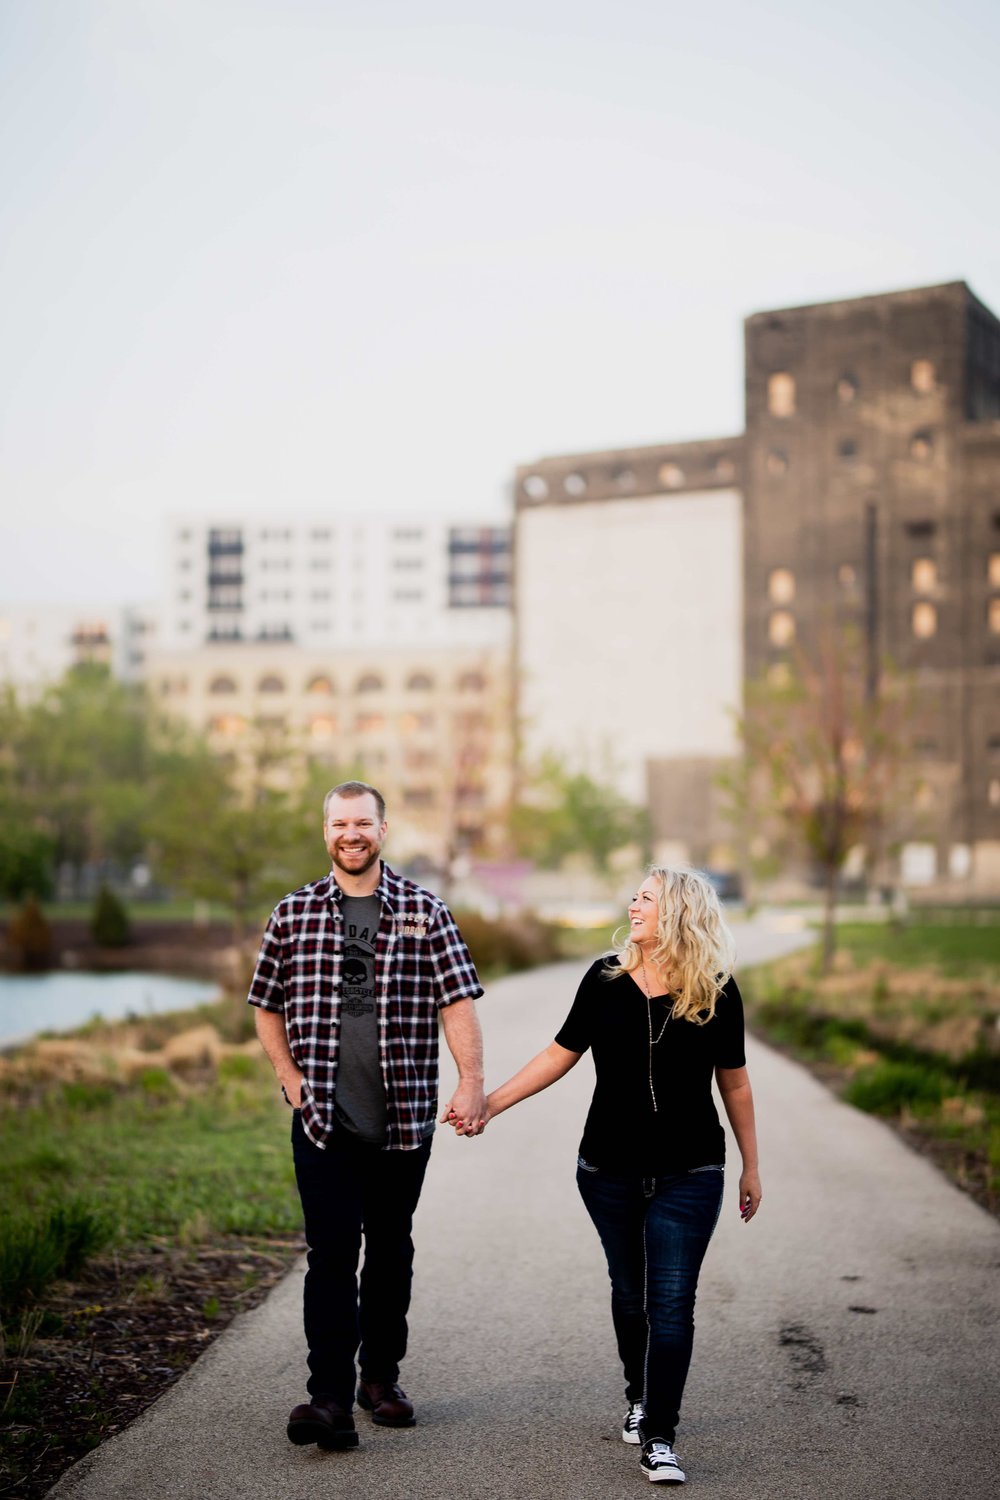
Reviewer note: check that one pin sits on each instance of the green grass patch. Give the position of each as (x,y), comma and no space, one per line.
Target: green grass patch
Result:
(88,1166)
(887,1088)
(955,947)
(905,1028)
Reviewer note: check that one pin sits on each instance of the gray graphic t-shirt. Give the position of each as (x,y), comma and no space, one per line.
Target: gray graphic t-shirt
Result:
(360,1101)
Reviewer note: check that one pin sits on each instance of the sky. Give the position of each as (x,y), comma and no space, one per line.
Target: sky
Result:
(332,256)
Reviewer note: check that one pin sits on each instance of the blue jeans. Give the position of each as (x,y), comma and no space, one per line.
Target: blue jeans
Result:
(349,1190)
(655,1231)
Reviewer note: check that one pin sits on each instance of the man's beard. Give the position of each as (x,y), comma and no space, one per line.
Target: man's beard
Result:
(375,851)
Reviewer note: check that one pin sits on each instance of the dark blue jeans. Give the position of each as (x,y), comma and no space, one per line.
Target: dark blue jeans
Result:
(348,1190)
(655,1232)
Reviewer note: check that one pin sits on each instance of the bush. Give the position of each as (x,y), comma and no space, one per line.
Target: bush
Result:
(29,937)
(109,924)
(34,1253)
(508,945)
(888,1087)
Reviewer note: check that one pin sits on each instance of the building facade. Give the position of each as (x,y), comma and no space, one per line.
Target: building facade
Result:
(324,582)
(872,496)
(39,643)
(429,726)
(865,489)
(628,625)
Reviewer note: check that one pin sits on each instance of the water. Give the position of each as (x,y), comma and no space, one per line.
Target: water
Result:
(30,1003)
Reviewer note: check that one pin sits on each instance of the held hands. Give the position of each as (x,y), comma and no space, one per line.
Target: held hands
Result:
(468,1111)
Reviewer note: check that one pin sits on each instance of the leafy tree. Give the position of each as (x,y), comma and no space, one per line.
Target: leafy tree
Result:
(824,768)
(239,835)
(74,774)
(564,812)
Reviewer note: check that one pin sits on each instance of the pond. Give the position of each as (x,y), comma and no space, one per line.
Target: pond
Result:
(30,1003)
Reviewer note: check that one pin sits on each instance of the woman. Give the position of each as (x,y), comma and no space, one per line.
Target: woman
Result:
(661,1016)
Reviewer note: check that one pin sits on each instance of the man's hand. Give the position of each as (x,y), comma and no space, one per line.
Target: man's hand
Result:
(466,1111)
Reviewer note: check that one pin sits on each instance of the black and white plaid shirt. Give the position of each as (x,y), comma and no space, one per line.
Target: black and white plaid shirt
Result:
(421,964)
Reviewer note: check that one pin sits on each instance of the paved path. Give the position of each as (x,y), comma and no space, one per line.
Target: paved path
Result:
(846,1339)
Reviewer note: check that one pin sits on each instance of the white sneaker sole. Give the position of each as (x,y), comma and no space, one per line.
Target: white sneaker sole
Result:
(668,1475)
(629,1437)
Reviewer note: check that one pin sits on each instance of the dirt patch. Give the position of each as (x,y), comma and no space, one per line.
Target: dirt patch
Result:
(109,1344)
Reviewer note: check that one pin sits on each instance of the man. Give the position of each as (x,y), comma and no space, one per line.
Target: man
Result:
(352,974)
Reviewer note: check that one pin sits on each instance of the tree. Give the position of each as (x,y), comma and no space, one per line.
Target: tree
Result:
(74,775)
(565,812)
(824,763)
(109,923)
(241,835)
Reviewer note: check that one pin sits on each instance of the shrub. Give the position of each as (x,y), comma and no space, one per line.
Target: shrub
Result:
(34,1253)
(109,922)
(888,1087)
(87,1096)
(509,944)
(29,937)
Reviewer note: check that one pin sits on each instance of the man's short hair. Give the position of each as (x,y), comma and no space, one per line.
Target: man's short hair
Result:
(355,789)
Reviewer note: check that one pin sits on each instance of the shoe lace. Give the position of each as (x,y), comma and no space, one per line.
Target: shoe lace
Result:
(659,1454)
(634,1415)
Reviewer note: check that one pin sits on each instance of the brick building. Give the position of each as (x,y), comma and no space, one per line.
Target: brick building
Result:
(866,487)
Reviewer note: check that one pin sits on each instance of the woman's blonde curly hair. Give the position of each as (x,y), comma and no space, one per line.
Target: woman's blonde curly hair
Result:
(694,945)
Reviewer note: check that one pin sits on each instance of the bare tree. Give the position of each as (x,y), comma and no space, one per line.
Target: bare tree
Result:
(825,766)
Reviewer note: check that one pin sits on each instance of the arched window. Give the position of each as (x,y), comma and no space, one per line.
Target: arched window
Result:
(222,685)
(228,724)
(471,682)
(420,683)
(370,683)
(320,685)
(271,684)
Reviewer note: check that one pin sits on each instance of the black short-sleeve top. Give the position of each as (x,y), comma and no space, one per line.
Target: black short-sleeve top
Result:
(624,1133)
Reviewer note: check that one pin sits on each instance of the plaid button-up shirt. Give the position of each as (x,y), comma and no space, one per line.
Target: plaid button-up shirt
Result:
(421,965)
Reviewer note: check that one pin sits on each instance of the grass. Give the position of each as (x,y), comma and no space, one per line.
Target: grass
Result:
(906,1027)
(956,947)
(90,1165)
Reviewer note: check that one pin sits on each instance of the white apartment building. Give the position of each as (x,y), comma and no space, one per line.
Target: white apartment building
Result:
(329,582)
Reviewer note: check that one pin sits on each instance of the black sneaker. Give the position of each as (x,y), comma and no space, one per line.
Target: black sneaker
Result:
(659,1463)
(630,1423)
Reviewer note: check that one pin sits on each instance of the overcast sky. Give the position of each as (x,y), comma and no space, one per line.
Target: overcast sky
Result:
(334,255)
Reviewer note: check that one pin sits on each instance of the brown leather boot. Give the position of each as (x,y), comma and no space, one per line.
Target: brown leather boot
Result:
(323,1421)
(388,1403)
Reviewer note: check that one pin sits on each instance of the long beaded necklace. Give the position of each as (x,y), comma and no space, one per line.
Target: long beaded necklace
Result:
(652,1041)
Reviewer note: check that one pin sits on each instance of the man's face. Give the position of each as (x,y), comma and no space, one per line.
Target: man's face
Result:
(354,836)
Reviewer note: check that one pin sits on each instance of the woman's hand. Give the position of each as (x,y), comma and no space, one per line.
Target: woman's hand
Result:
(470,1128)
(750,1193)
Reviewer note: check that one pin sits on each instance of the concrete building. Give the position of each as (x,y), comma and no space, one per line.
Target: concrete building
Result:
(429,725)
(628,618)
(40,642)
(866,487)
(325,582)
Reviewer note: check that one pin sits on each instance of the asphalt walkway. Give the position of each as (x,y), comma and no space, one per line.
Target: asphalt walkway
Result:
(846,1340)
